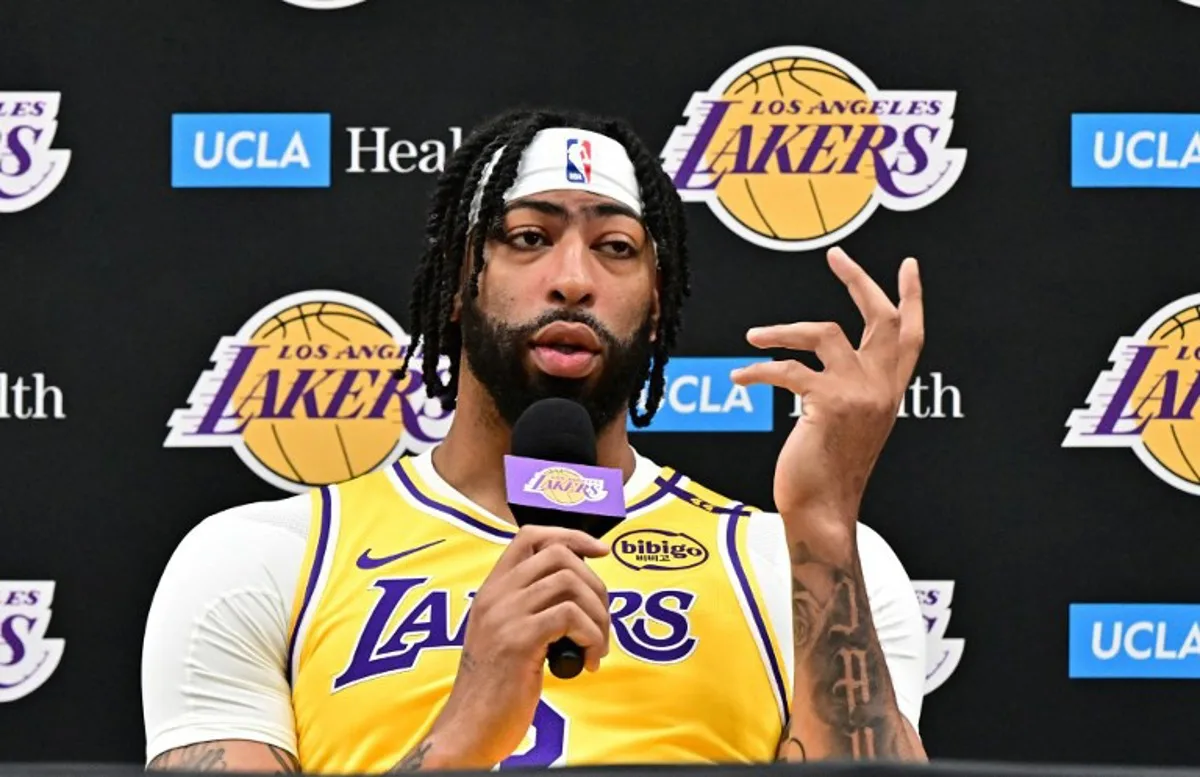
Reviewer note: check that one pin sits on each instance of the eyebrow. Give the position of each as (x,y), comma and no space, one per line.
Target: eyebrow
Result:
(597,210)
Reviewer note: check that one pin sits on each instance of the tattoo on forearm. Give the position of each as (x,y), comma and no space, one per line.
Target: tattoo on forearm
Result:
(414,760)
(204,757)
(790,748)
(210,757)
(287,762)
(835,644)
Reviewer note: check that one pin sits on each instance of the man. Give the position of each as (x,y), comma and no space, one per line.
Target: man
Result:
(329,631)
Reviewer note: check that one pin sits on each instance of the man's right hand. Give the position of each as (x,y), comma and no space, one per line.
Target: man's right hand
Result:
(539,591)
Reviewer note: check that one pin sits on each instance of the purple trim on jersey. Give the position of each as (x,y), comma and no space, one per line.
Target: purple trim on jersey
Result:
(663,489)
(744,582)
(314,573)
(673,488)
(446,509)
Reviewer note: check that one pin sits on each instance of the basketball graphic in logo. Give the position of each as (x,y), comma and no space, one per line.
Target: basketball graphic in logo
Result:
(1150,400)
(793,148)
(307,393)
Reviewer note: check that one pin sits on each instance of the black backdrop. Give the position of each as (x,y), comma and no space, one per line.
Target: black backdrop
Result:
(117,287)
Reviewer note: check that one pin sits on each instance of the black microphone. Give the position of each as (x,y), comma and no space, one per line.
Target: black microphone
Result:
(558,430)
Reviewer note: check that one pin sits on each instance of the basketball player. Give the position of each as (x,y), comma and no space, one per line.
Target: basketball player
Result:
(328,632)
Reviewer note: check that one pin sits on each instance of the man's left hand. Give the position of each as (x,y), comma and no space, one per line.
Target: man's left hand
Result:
(849,407)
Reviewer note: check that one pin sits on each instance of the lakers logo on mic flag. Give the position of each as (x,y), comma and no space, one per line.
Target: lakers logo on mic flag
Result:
(557,486)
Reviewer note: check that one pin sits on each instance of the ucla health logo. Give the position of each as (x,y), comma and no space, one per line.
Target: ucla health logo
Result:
(27,656)
(307,394)
(29,168)
(793,148)
(1148,401)
(1135,150)
(1135,641)
(700,397)
(266,150)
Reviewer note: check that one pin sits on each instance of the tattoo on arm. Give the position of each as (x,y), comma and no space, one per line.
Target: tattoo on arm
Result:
(790,748)
(415,759)
(837,649)
(211,757)
(203,757)
(287,762)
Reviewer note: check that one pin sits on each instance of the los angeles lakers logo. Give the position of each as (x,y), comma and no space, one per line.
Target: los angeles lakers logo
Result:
(306,393)
(793,148)
(1148,400)
(565,486)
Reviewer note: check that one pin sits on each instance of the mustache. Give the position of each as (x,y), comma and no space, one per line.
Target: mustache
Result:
(569,316)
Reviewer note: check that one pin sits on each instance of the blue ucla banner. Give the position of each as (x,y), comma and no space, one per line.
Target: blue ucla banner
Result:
(700,397)
(1135,641)
(264,150)
(1135,150)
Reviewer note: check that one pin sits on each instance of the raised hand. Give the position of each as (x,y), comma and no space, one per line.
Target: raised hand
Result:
(850,406)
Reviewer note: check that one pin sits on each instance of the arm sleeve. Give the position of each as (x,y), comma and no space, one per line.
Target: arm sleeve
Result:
(898,622)
(894,608)
(214,655)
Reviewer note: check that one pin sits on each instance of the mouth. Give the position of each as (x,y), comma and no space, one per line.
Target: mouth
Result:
(566,350)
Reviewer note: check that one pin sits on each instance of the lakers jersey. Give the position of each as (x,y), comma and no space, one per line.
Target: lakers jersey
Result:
(696,671)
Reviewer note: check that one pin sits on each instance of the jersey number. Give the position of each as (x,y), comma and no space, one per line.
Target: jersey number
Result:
(549,746)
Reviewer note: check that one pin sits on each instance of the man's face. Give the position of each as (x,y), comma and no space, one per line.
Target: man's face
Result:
(567,306)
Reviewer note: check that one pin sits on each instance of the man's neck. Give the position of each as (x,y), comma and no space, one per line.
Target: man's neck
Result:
(471,457)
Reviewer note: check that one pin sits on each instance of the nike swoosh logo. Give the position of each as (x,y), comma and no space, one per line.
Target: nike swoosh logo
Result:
(365,561)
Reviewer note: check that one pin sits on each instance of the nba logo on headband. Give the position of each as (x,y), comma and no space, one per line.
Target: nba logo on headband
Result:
(579,161)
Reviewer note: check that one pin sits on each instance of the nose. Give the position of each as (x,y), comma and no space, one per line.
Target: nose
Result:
(571,281)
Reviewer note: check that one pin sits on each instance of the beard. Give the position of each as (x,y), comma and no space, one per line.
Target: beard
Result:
(497,355)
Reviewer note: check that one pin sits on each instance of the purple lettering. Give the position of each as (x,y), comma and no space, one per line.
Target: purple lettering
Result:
(300,390)
(865,144)
(237,371)
(817,145)
(695,154)
(344,390)
(1186,408)
(410,415)
(1112,414)
(772,145)
(364,663)
(20,150)
(634,636)
(10,637)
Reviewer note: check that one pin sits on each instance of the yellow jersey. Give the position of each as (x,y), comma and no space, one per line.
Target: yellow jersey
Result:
(695,673)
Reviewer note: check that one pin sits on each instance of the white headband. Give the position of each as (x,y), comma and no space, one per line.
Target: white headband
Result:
(568,158)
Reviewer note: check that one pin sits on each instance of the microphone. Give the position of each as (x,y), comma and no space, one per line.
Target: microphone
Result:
(552,480)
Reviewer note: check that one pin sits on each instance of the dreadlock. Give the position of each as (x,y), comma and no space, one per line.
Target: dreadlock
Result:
(448,235)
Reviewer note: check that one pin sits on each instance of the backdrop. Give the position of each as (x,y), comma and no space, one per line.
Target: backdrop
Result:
(175,175)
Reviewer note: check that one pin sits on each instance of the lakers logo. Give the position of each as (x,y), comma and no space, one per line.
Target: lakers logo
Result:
(306,393)
(564,486)
(793,148)
(1148,400)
